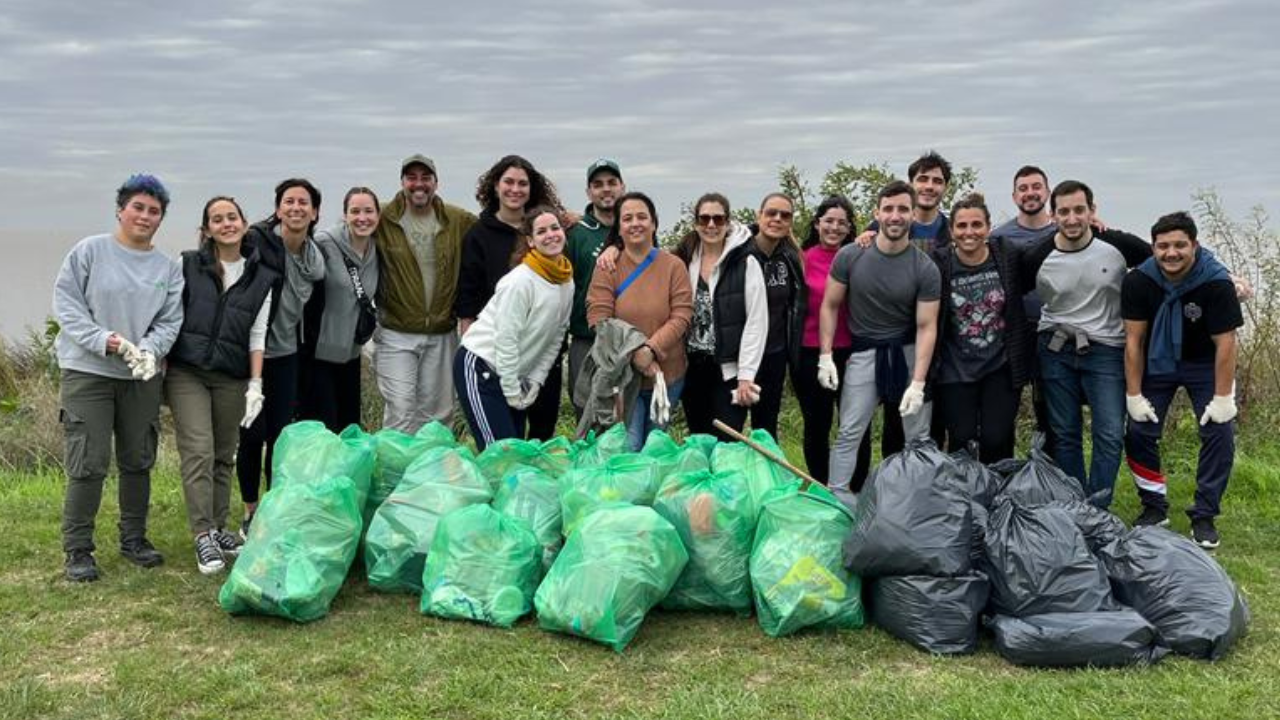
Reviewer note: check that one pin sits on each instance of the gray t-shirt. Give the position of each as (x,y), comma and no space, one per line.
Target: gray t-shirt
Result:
(421,232)
(1021,236)
(883,289)
(1082,289)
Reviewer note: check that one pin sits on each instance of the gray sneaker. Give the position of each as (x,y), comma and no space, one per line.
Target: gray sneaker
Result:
(228,543)
(81,566)
(208,554)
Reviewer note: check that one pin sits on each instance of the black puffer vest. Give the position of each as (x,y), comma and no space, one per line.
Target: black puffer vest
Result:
(729,306)
(216,324)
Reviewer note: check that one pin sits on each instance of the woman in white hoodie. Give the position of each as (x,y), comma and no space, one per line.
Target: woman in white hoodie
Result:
(726,339)
(508,351)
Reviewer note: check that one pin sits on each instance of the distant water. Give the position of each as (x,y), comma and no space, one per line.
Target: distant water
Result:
(31,262)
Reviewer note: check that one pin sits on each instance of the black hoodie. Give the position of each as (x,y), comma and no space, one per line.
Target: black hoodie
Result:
(486,257)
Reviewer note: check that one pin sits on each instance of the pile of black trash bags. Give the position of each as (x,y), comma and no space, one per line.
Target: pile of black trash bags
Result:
(947,546)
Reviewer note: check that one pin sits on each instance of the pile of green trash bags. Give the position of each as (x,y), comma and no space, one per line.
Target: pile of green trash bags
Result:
(400,534)
(716,520)
(621,561)
(672,457)
(301,544)
(797,568)
(483,566)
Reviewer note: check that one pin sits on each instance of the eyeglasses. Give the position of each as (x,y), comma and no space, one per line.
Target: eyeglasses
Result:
(776,213)
(706,220)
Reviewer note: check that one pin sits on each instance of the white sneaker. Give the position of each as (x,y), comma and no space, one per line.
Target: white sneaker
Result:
(208,555)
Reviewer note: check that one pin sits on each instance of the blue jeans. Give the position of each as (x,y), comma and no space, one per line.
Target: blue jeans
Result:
(639,424)
(1072,381)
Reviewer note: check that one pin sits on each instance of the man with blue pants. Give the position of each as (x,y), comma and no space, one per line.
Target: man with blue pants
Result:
(1077,275)
(1180,318)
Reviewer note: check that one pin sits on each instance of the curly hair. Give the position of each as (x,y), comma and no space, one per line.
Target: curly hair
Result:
(834,201)
(143,184)
(541,190)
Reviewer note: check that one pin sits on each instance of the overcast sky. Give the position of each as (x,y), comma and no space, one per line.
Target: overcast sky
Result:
(1146,101)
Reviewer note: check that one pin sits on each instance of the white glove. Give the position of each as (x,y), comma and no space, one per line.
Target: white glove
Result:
(1221,409)
(828,375)
(253,398)
(144,365)
(1140,409)
(745,396)
(526,397)
(660,405)
(127,350)
(912,399)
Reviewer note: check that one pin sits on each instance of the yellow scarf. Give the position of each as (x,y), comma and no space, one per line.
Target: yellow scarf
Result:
(556,270)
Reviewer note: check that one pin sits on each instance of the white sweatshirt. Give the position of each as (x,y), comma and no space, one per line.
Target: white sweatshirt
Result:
(521,328)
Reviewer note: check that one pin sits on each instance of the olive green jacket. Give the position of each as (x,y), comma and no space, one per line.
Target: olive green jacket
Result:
(402,301)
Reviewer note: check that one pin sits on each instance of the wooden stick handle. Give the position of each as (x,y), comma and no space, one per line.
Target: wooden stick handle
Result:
(765,452)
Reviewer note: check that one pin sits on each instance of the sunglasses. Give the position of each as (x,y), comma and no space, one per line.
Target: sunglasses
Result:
(776,213)
(707,220)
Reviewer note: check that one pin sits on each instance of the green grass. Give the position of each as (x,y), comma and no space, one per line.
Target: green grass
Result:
(154,644)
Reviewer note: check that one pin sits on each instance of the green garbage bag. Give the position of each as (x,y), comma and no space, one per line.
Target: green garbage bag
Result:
(483,566)
(400,534)
(396,451)
(620,563)
(702,442)
(301,544)
(531,495)
(797,571)
(593,451)
(562,449)
(503,456)
(763,475)
(672,457)
(629,477)
(716,520)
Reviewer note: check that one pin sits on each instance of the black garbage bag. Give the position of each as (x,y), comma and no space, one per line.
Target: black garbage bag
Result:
(913,517)
(1180,588)
(1098,526)
(1038,562)
(1007,467)
(936,614)
(1096,639)
(1041,481)
(981,482)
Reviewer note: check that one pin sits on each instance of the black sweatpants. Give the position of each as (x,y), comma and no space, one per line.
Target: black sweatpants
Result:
(334,395)
(707,396)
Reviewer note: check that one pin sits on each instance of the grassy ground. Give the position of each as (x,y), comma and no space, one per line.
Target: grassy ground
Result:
(153,643)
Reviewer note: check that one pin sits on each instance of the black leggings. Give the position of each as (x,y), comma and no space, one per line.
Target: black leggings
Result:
(333,396)
(985,410)
(706,397)
(280,388)
(817,407)
(544,413)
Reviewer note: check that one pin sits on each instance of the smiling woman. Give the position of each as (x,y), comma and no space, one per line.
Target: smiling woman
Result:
(118,302)
(509,351)
(509,188)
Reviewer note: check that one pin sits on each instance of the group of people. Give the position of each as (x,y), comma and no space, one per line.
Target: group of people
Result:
(261,324)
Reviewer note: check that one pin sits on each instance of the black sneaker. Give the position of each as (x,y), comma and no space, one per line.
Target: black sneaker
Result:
(208,555)
(1152,516)
(1204,533)
(141,552)
(81,566)
(228,543)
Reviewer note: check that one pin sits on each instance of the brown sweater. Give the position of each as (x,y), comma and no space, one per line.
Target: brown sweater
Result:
(658,303)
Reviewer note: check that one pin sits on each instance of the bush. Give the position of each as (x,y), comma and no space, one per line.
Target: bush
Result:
(30,434)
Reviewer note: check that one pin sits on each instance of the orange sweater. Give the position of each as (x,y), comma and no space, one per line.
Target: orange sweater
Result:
(658,303)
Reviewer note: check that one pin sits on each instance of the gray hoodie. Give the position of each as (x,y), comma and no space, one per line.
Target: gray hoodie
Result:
(336,342)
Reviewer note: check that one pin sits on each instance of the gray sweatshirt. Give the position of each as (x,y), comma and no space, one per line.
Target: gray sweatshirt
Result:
(105,287)
(336,343)
(299,272)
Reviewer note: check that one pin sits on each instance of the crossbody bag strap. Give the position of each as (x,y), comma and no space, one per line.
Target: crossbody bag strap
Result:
(648,260)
